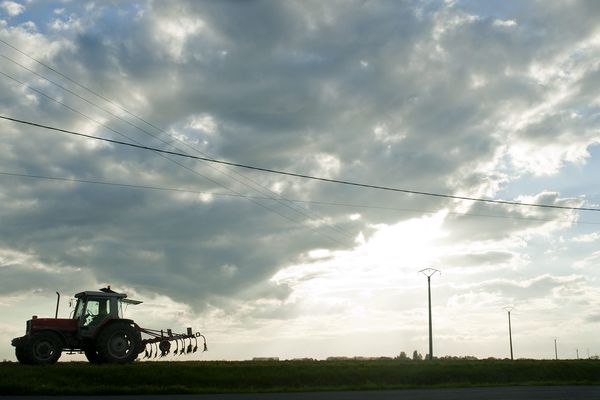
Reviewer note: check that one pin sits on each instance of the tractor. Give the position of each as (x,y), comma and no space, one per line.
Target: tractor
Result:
(97,329)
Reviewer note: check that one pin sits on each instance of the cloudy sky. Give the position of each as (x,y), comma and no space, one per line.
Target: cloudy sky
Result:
(495,100)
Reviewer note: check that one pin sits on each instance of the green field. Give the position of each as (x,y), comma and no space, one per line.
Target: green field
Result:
(273,376)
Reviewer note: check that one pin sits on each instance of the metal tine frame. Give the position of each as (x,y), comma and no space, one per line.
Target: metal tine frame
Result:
(157,336)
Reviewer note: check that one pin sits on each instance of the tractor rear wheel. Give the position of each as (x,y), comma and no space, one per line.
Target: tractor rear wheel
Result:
(42,348)
(92,355)
(118,343)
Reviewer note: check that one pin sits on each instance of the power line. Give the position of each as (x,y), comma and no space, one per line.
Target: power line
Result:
(314,202)
(294,207)
(159,152)
(297,175)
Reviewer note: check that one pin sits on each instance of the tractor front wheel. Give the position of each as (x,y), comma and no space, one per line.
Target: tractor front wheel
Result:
(118,343)
(21,354)
(42,348)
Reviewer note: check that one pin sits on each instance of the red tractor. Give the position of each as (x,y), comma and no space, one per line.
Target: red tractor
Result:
(97,329)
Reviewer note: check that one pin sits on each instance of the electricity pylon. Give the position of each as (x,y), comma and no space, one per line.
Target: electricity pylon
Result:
(429,272)
(508,310)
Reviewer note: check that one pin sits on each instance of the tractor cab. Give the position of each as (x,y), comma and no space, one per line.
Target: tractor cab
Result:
(95,308)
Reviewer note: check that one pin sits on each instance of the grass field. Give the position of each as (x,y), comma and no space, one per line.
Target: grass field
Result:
(229,377)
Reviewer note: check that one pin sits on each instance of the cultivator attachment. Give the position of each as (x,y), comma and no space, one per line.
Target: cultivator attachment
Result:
(159,343)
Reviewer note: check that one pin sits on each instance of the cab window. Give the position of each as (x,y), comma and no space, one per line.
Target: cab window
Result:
(96,311)
(78,309)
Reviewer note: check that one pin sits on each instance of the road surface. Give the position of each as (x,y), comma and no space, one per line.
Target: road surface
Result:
(489,393)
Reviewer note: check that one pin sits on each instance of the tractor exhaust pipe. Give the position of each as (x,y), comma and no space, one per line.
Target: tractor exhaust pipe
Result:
(57,303)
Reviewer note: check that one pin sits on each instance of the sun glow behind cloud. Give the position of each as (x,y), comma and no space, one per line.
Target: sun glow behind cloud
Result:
(346,282)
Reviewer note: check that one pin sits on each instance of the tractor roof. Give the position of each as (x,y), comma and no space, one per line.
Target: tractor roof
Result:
(107,292)
(93,293)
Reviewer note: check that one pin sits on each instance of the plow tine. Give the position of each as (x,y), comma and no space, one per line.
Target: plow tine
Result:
(176,347)
(156,350)
(205,346)
(189,348)
(196,346)
(146,352)
(150,356)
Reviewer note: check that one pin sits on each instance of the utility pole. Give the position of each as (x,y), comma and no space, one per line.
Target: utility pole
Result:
(555,350)
(577,350)
(508,310)
(429,272)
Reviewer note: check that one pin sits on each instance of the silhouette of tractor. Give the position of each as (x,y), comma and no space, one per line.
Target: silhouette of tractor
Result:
(98,330)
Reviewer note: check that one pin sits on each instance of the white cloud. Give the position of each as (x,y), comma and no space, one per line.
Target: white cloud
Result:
(589,261)
(505,23)
(587,238)
(383,135)
(71,23)
(172,33)
(326,165)
(12,8)
(203,122)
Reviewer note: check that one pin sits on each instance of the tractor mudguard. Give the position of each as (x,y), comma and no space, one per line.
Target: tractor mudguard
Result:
(23,340)
(19,341)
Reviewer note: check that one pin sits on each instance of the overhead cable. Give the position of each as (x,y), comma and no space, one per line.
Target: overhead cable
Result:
(294,207)
(304,176)
(314,202)
(160,152)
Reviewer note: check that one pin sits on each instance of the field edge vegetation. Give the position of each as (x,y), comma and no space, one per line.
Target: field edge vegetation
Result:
(286,376)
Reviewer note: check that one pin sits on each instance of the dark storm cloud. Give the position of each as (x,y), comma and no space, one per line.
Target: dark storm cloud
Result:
(501,222)
(552,288)
(381,89)
(17,278)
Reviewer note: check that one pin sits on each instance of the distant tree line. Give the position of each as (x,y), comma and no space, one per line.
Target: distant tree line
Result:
(416,356)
